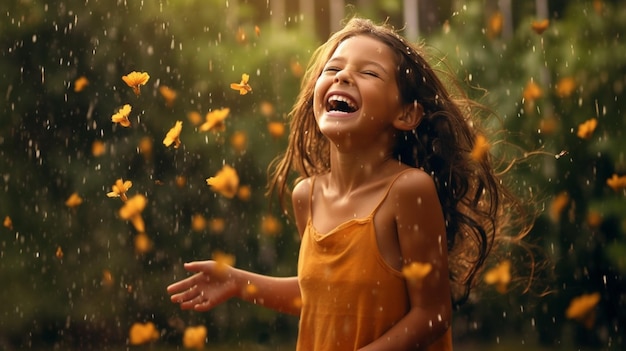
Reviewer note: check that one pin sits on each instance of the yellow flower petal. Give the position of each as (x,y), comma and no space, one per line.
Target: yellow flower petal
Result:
(141,333)
(120,188)
(143,244)
(565,87)
(270,225)
(223,261)
(540,26)
(616,182)
(80,84)
(215,120)
(168,94)
(198,222)
(276,129)
(243,86)
(7,223)
(559,203)
(586,129)
(73,201)
(59,253)
(173,136)
(415,272)
(194,337)
(481,148)
(98,148)
(532,92)
(239,141)
(581,309)
(500,276)
(121,116)
(217,225)
(133,207)
(225,182)
(135,80)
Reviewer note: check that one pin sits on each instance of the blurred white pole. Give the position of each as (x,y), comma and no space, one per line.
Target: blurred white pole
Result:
(337,13)
(307,14)
(277,13)
(507,17)
(542,9)
(411,20)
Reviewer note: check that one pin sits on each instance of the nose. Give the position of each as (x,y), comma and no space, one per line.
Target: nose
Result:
(343,76)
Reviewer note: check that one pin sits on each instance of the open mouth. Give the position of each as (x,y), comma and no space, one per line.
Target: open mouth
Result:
(340,103)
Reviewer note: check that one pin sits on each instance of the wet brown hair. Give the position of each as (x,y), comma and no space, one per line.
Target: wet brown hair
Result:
(478,209)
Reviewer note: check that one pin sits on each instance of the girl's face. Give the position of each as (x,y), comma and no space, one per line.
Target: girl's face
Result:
(357,95)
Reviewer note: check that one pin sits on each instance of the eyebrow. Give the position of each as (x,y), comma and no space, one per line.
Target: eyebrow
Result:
(363,62)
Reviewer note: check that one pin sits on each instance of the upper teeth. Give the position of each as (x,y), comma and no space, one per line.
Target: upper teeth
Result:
(341,98)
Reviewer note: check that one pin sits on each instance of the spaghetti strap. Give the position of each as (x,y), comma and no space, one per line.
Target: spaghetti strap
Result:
(311,198)
(387,191)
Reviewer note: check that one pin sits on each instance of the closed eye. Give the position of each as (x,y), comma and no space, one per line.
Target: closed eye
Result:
(371,73)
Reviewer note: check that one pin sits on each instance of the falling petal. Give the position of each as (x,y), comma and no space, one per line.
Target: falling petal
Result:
(146,147)
(73,201)
(500,276)
(239,141)
(267,109)
(582,309)
(616,182)
(168,94)
(223,261)
(180,181)
(135,80)
(195,337)
(121,116)
(270,225)
(8,223)
(540,26)
(215,120)
(107,278)
(217,225)
(225,182)
(481,148)
(173,136)
(244,193)
(415,272)
(257,31)
(532,91)
(59,253)
(80,84)
(586,129)
(559,203)
(143,244)
(120,188)
(496,22)
(276,129)
(98,148)
(243,86)
(198,222)
(194,117)
(565,87)
(133,207)
(143,333)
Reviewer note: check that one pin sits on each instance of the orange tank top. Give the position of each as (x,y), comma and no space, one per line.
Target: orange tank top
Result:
(350,295)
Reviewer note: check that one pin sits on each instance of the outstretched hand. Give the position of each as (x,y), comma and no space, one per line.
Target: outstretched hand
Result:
(212,284)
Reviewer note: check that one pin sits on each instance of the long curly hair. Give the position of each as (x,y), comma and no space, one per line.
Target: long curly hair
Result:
(479,210)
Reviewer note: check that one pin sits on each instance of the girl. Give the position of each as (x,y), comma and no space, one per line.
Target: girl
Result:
(387,180)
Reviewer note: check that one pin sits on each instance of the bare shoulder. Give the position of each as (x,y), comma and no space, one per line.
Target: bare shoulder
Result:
(300,199)
(301,191)
(415,182)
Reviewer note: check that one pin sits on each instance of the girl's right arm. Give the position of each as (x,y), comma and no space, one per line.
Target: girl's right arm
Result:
(214,283)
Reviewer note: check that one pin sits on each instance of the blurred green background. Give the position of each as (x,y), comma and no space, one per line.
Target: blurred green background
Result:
(72,275)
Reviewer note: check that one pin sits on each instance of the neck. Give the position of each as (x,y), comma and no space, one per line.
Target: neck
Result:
(350,170)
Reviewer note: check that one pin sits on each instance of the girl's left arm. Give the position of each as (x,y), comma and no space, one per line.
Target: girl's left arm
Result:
(422,239)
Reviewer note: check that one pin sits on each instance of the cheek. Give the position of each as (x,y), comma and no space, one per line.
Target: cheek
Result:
(318,95)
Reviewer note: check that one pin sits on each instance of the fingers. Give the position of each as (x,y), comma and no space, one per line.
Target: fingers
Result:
(184,284)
